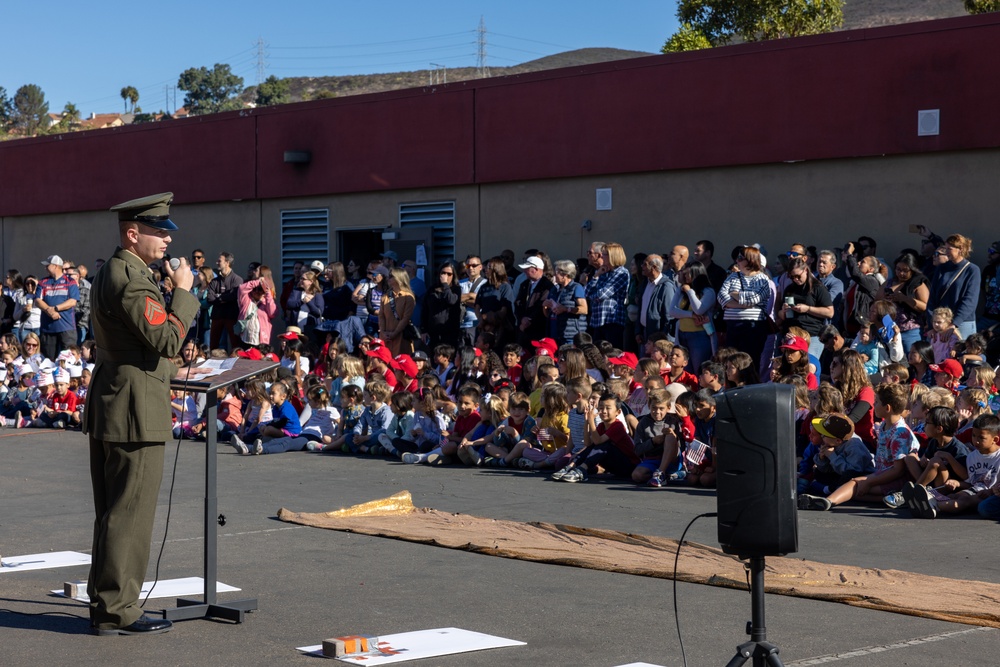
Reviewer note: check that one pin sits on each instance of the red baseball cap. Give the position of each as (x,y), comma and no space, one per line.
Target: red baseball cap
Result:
(291,333)
(546,346)
(405,363)
(627,359)
(949,366)
(792,342)
(382,353)
(253,353)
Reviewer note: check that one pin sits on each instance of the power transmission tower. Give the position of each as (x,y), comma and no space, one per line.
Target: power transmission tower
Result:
(484,70)
(439,74)
(261,61)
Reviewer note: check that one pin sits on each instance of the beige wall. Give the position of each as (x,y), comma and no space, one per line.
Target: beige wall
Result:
(820,203)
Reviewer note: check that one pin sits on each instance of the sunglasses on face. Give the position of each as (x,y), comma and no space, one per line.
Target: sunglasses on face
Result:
(473,266)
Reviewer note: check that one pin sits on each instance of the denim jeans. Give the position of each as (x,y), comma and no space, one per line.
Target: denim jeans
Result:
(990,508)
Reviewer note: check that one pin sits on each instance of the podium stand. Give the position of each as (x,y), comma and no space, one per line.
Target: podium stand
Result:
(210,607)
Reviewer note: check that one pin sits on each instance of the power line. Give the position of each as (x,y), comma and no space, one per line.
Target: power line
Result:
(355,46)
(393,64)
(379,54)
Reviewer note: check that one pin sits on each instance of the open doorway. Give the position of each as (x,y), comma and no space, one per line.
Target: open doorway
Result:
(360,245)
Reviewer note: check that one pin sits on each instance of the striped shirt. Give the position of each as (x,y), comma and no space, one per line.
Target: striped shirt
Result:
(753,290)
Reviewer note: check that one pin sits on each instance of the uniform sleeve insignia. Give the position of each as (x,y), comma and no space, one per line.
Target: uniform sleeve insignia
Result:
(155,313)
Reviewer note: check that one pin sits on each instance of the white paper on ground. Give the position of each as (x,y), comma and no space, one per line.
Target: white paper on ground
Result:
(167,588)
(424,644)
(43,561)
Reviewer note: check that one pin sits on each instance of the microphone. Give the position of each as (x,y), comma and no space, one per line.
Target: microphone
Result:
(174,263)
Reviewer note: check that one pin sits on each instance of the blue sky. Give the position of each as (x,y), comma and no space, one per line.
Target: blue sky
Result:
(86,53)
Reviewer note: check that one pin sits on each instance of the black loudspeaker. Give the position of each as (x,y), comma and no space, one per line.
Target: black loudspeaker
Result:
(755,447)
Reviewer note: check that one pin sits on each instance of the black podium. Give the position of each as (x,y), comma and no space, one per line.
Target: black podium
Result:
(210,607)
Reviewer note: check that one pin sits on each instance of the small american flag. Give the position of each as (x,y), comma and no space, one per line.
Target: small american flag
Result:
(696,451)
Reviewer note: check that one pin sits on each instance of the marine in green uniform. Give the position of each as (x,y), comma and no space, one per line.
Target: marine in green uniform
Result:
(127,414)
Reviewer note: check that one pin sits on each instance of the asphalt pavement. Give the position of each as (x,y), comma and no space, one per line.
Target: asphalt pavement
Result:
(312,584)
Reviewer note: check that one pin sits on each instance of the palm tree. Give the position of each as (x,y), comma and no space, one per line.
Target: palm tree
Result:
(70,116)
(130,94)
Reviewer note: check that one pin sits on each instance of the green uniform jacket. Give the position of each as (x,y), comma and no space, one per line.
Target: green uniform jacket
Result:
(136,334)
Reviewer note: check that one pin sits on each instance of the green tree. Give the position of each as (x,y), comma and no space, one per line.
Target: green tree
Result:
(687,38)
(982,6)
(30,110)
(272,91)
(210,90)
(6,111)
(130,95)
(70,117)
(722,21)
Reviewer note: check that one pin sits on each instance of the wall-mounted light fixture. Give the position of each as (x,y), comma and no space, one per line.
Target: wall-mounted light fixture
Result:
(298,157)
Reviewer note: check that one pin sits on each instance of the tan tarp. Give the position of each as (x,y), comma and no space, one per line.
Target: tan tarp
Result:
(954,600)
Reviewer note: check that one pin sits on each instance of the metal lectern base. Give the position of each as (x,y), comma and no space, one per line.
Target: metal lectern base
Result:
(230,610)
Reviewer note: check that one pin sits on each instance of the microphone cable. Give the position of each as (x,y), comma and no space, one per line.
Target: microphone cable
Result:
(170,498)
(677,558)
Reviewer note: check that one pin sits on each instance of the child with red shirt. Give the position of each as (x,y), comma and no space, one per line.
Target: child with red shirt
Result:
(608,445)
(60,405)
(512,354)
(679,357)
(467,419)
(510,430)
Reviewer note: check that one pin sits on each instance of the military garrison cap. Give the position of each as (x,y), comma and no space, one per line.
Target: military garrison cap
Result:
(152,211)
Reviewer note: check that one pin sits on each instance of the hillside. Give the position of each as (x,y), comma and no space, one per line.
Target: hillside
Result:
(873,13)
(311,88)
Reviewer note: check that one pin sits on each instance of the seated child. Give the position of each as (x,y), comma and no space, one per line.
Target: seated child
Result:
(398,436)
(184,409)
(655,441)
(608,445)
(840,455)
(59,410)
(512,353)
(284,422)
(472,448)
(441,447)
(511,430)
(550,436)
(895,441)
(351,409)
(969,404)
(319,429)
(700,458)
(867,345)
(374,420)
(971,487)
(943,458)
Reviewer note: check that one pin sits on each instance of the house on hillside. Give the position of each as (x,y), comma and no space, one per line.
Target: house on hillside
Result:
(99,121)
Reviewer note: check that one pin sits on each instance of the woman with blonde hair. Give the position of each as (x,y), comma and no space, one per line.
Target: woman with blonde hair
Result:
(606,294)
(395,328)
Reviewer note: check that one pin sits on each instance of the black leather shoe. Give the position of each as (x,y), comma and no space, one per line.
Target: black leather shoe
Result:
(143,626)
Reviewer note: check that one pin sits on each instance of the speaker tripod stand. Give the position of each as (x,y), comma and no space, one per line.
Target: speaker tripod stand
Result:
(758,648)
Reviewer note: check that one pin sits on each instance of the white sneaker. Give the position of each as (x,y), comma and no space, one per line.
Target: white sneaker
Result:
(410,457)
(258,446)
(239,445)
